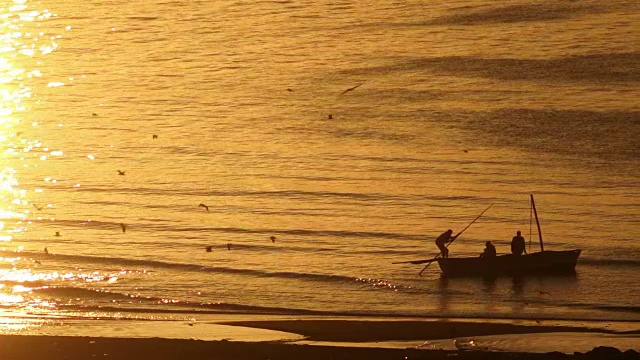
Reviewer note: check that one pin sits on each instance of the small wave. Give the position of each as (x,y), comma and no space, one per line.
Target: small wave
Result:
(82,293)
(236,230)
(119,262)
(153,304)
(633,309)
(143,18)
(518,13)
(573,304)
(81,223)
(584,68)
(610,262)
(34,283)
(218,308)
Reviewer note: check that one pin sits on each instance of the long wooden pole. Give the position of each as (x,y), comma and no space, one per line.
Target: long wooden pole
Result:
(415,261)
(454,238)
(533,203)
(471,223)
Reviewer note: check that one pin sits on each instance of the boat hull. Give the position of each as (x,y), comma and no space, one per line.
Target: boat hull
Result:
(539,263)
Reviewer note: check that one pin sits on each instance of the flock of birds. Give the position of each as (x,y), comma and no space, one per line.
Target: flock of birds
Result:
(210,248)
(123,226)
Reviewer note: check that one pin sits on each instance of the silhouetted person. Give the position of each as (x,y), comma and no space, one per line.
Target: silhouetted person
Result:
(489,251)
(46,251)
(517,245)
(443,240)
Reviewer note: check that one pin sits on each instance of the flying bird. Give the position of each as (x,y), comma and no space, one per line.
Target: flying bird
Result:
(273,239)
(94,114)
(465,151)
(123,227)
(204,206)
(208,248)
(155,136)
(330,117)
(350,89)
(120,172)
(37,207)
(57,233)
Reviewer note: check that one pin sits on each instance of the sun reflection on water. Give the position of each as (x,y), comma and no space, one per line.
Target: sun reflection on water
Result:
(23,41)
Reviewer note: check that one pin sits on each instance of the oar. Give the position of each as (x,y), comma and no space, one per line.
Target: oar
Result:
(432,260)
(454,238)
(414,261)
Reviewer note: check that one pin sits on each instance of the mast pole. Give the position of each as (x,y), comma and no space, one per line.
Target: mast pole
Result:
(530,222)
(533,204)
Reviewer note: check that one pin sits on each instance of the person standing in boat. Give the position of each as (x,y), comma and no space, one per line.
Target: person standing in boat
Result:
(489,251)
(442,241)
(517,245)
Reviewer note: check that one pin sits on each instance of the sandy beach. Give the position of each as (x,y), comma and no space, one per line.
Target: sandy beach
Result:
(343,339)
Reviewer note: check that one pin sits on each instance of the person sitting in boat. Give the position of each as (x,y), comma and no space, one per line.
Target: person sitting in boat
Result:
(442,241)
(489,251)
(517,245)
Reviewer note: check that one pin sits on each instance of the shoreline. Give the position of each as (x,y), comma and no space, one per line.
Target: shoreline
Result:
(254,338)
(360,330)
(25,347)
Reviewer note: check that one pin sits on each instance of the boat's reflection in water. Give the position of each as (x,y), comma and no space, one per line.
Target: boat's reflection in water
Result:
(512,296)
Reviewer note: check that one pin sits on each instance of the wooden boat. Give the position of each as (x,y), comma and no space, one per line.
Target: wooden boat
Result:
(538,263)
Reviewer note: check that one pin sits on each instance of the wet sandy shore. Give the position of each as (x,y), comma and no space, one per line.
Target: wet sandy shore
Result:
(364,334)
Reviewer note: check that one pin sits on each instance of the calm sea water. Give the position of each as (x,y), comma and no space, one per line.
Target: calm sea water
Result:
(240,106)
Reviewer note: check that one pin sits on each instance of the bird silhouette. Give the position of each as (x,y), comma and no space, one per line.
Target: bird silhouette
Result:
(208,248)
(123,227)
(273,239)
(465,151)
(120,172)
(350,89)
(155,136)
(204,206)
(94,114)
(37,207)
(57,233)
(330,117)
